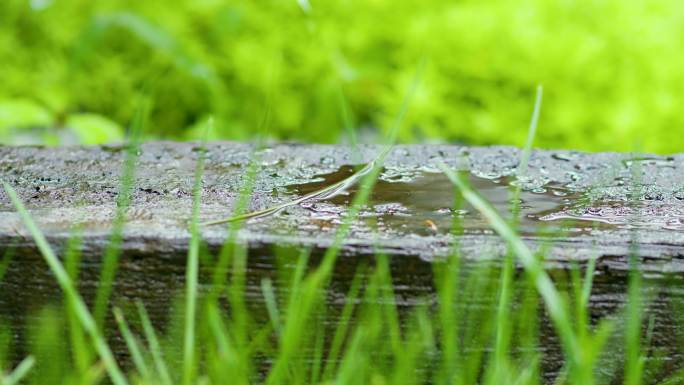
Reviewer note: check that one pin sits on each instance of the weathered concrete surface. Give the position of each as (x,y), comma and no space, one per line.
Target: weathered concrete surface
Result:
(617,196)
(65,187)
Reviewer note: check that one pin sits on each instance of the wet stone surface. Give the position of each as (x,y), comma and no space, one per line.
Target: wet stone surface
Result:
(577,202)
(573,204)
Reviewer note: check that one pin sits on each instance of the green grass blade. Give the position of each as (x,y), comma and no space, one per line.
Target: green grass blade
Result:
(94,375)
(318,194)
(155,348)
(634,360)
(528,374)
(554,302)
(191,272)
(298,276)
(343,326)
(6,259)
(531,133)
(72,256)
(300,311)
(271,303)
(111,257)
(19,372)
(319,341)
(352,365)
(418,339)
(503,324)
(80,308)
(132,344)
(231,359)
(327,191)
(218,331)
(371,171)
(231,246)
(582,287)
(389,304)
(634,364)
(349,125)
(79,346)
(446,281)
(588,280)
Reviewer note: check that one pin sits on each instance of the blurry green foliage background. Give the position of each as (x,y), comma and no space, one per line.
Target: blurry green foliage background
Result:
(613,70)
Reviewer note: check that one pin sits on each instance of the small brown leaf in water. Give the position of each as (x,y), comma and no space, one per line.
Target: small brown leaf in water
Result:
(431,225)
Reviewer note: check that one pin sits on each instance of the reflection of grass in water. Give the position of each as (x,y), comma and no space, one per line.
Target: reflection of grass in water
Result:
(483,329)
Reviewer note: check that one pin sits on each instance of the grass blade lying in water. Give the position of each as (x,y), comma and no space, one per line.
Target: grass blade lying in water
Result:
(340,186)
(323,193)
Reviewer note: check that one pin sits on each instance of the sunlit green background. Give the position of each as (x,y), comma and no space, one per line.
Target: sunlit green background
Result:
(613,70)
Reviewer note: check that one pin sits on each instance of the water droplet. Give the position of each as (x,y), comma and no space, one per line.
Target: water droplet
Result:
(448,210)
(573,176)
(564,156)
(488,175)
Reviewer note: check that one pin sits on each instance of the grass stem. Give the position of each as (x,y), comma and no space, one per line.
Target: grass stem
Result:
(80,308)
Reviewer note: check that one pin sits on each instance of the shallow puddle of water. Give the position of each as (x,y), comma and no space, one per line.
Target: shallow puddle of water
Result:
(424,203)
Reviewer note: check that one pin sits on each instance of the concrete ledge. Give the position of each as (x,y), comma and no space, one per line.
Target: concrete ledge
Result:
(65,187)
(610,200)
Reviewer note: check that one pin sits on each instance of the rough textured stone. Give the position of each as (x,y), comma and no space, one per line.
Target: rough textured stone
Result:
(611,200)
(620,193)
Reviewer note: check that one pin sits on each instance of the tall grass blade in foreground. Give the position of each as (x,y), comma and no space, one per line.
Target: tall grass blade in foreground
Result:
(341,332)
(634,360)
(555,303)
(328,191)
(19,372)
(81,351)
(191,270)
(80,308)
(531,133)
(5,261)
(111,255)
(154,346)
(300,311)
(499,370)
(132,345)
